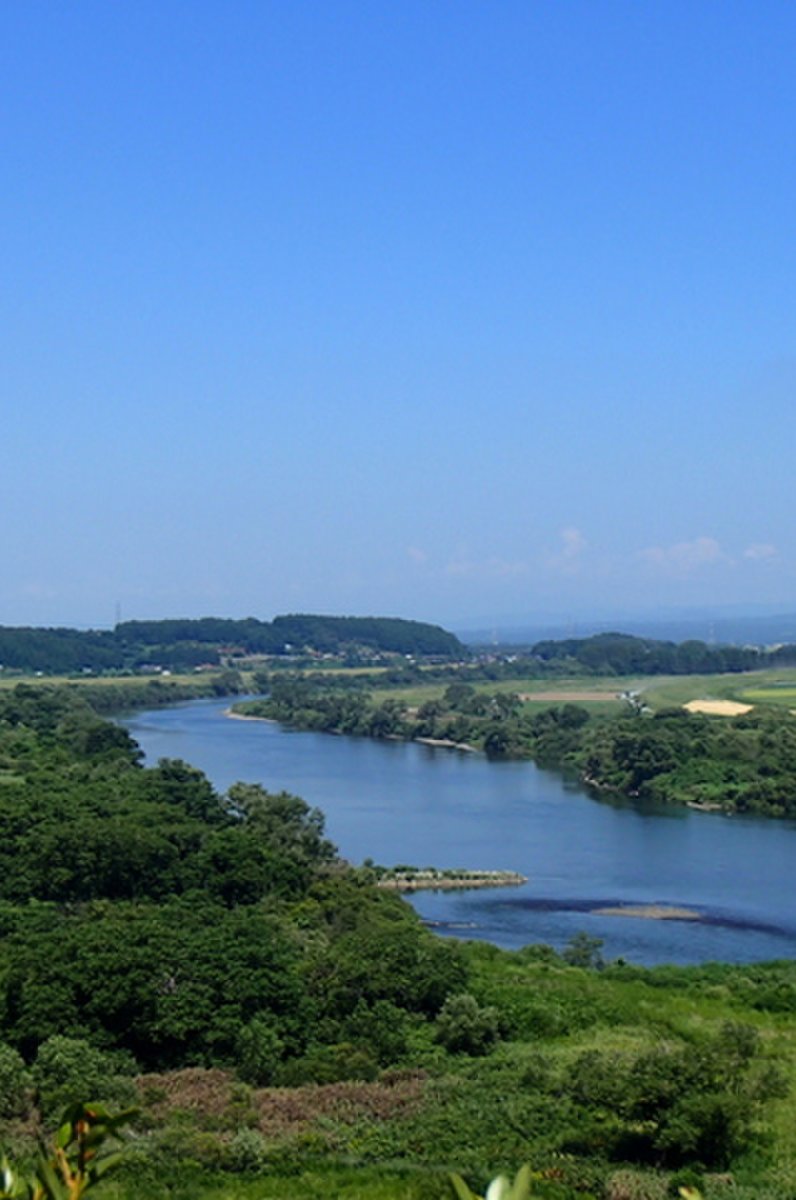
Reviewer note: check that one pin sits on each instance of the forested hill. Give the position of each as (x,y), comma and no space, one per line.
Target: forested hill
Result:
(189,643)
(623,654)
(299,631)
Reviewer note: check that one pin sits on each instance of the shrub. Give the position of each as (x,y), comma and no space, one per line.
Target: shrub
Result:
(329,1064)
(248,1152)
(464,1027)
(67,1069)
(15,1083)
(383,1028)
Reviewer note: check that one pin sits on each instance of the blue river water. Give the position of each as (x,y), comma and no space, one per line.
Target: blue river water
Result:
(397,802)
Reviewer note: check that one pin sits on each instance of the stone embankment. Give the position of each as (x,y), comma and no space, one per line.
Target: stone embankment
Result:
(449,880)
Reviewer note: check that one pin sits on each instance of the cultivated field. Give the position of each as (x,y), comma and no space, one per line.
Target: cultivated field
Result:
(596,694)
(721,695)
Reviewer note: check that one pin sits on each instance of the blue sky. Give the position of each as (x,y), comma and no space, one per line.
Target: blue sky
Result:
(448,310)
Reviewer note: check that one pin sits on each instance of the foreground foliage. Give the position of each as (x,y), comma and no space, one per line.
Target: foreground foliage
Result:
(77,1159)
(278,1018)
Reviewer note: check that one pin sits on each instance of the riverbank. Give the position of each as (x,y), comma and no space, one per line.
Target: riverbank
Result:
(239,716)
(442,743)
(445,743)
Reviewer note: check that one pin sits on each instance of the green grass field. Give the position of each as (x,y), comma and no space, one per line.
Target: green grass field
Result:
(771,687)
(781,693)
(321,1182)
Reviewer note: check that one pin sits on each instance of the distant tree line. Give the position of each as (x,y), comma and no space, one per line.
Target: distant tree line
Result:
(284,634)
(299,639)
(59,651)
(623,654)
(184,644)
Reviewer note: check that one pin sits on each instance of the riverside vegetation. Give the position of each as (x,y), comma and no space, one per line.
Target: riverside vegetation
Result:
(287,1028)
(741,764)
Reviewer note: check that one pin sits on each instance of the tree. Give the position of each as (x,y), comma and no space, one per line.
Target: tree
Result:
(286,823)
(259,1049)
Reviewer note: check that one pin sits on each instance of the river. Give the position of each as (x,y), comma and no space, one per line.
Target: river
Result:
(397,802)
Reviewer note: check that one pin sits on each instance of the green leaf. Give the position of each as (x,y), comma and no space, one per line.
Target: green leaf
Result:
(53,1186)
(106,1163)
(64,1135)
(461,1188)
(522,1184)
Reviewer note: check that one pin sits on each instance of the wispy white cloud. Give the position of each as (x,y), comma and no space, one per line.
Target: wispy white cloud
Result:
(760,551)
(567,557)
(685,557)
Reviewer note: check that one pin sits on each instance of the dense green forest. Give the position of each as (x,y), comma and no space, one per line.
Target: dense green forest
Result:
(182,644)
(279,1018)
(296,632)
(743,764)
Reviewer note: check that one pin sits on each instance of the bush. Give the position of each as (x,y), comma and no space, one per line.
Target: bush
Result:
(69,1069)
(15,1083)
(687,1177)
(464,1027)
(248,1152)
(329,1064)
(383,1029)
